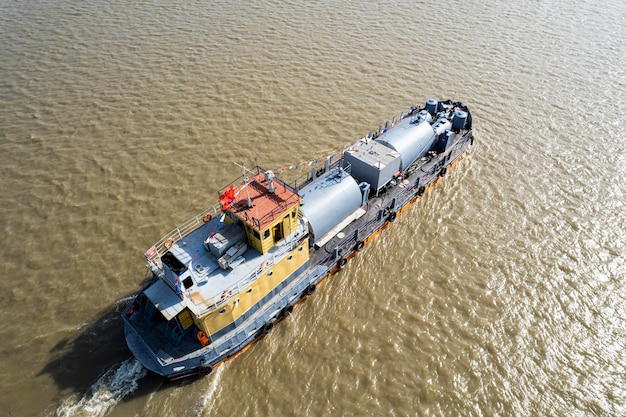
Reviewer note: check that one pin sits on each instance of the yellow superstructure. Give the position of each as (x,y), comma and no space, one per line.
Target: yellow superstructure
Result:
(267,215)
(242,302)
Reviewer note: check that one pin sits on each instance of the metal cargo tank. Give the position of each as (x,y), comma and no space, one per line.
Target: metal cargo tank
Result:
(329,203)
(410,139)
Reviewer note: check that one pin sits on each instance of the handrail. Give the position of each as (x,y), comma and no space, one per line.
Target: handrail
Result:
(182,230)
(305,179)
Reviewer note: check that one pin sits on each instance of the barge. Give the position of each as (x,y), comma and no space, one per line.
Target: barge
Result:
(221,280)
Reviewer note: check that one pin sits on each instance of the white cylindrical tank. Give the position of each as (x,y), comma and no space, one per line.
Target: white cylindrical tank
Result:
(411,140)
(329,200)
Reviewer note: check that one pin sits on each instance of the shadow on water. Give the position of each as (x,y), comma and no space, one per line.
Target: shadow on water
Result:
(79,360)
(96,357)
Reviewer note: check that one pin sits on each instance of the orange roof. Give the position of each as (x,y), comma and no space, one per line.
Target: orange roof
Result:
(266,206)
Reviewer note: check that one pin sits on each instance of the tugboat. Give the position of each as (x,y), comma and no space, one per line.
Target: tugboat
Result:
(222,279)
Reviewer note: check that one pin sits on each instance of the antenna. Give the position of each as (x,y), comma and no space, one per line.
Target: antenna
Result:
(244,171)
(245,181)
(244,168)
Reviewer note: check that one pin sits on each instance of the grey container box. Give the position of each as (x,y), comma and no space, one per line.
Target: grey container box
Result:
(373,163)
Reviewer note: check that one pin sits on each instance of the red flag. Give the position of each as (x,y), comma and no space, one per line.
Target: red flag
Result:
(227,197)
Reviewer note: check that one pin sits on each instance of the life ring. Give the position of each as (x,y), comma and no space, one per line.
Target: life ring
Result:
(169,242)
(360,245)
(342,262)
(264,265)
(207,217)
(392,217)
(420,191)
(227,294)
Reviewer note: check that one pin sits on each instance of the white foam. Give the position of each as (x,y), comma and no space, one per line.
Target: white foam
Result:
(207,398)
(124,301)
(114,385)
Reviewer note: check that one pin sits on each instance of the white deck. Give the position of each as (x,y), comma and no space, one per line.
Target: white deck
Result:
(212,284)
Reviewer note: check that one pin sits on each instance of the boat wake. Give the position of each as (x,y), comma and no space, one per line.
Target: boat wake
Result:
(208,398)
(114,385)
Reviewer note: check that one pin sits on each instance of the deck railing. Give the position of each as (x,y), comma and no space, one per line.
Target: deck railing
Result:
(159,248)
(210,304)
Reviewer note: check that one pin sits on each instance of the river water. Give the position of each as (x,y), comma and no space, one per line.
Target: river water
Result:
(499,293)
